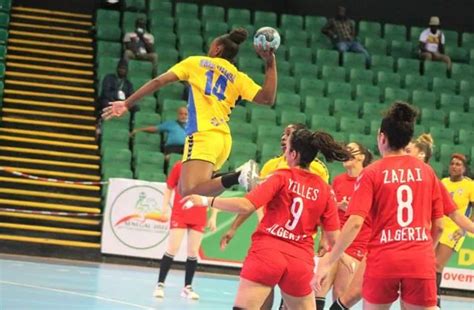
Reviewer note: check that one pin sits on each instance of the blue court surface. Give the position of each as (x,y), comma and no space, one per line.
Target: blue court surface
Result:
(35,283)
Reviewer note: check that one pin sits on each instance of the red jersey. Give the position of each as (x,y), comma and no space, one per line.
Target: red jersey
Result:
(297,202)
(449,206)
(343,186)
(195,216)
(401,195)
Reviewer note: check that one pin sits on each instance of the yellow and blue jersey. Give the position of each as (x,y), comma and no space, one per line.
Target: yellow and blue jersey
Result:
(462,193)
(215,85)
(316,167)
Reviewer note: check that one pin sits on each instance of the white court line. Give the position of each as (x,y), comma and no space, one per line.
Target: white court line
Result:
(77,294)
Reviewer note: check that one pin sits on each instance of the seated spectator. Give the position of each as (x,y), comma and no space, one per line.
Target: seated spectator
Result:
(341,31)
(115,86)
(432,43)
(139,44)
(175,132)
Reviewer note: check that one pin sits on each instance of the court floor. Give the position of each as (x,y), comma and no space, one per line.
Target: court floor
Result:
(35,283)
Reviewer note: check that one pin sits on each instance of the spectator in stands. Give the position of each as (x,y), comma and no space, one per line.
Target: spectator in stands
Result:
(115,86)
(432,43)
(175,132)
(341,31)
(139,44)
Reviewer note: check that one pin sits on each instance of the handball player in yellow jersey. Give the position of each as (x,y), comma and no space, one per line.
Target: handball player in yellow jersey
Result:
(215,85)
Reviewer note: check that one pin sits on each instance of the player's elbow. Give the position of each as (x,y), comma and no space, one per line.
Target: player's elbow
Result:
(246,208)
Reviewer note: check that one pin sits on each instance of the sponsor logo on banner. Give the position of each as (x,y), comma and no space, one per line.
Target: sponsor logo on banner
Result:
(458,278)
(137,211)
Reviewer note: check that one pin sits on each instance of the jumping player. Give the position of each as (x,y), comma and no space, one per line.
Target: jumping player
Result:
(343,186)
(215,85)
(296,201)
(401,196)
(183,221)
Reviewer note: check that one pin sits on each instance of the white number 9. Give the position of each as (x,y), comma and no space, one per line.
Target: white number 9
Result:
(296,210)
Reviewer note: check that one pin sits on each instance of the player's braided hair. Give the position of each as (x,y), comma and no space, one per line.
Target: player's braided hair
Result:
(231,42)
(425,144)
(398,124)
(308,144)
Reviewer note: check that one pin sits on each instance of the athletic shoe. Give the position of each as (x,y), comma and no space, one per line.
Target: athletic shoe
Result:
(159,290)
(248,175)
(189,293)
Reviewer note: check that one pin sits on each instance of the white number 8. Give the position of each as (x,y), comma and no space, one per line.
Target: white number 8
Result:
(404,204)
(296,210)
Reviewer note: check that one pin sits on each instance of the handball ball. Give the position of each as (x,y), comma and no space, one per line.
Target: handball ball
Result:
(267,36)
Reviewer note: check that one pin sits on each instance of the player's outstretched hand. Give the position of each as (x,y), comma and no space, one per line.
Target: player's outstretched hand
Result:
(115,109)
(264,51)
(193,201)
(212,223)
(226,238)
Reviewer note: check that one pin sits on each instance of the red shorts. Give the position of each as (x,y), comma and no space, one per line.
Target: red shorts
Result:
(271,267)
(179,224)
(357,250)
(419,292)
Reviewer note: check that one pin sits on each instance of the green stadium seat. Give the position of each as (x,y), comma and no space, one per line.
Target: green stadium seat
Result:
(336,168)
(459,120)
(116,155)
(466,137)
(467,41)
(296,38)
(462,72)
(346,108)
(160,7)
(172,105)
(167,56)
(250,64)
(361,77)
(117,134)
(372,109)
(333,74)
(165,40)
(243,130)
(327,123)
(291,22)
(188,26)
(452,103)
(466,88)
(430,116)
(245,149)
(287,118)
(320,41)
(315,23)
(369,141)
(318,105)
(353,60)
(211,12)
(286,83)
(444,85)
(5,5)
(146,174)
(108,33)
(401,49)
(109,17)
(146,119)
(408,66)
(269,150)
(370,29)
(238,16)
(3,52)
(438,168)
(443,135)
(3,36)
(382,63)
(470,104)
(135,5)
(396,94)
(446,150)
(288,100)
(106,65)
(300,54)
(148,104)
(471,54)
(186,10)
(268,133)
(376,46)
(424,99)
(129,19)
(311,87)
(420,129)
(239,113)
(353,125)
(458,54)
(137,82)
(213,29)
(388,79)
(341,137)
(2,88)
(160,24)
(327,57)
(368,93)
(452,37)
(284,68)
(262,116)
(173,91)
(117,173)
(395,32)
(374,127)
(262,19)
(337,90)
(148,157)
(434,69)
(415,33)
(415,81)
(110,49)
(141,69)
